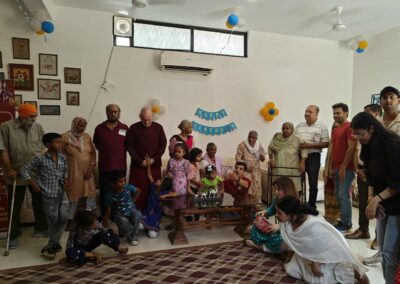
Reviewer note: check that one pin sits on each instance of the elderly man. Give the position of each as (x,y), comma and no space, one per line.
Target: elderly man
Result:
(20,142)
(316,137)
(145,138)
(110,141)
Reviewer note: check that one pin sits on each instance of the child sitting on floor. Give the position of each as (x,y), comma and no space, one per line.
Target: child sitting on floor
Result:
(120,205)
(87,235)
(211,181)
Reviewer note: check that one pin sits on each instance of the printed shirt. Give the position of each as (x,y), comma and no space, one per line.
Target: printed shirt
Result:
(315,133)
(79,237)
(50,174)
(121,202)
(211,184)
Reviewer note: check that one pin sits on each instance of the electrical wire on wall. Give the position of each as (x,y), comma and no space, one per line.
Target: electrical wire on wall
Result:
(227,42)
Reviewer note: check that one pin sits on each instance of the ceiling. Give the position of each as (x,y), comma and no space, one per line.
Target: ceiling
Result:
(305,18)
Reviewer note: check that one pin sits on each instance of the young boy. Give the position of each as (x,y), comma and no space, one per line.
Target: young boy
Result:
(120,202)
(51,169)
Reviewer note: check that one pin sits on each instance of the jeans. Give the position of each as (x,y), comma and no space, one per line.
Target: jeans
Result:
(40,219)
(313,163)
(128,225)
(342,190)
(56,212)
(388,229)
(363,221)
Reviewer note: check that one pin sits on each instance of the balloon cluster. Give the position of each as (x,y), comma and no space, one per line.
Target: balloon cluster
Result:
(232,21)
(360,46)
(156,108)
(40,25)
(269,111)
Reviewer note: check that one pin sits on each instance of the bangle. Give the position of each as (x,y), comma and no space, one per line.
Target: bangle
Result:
(380,197)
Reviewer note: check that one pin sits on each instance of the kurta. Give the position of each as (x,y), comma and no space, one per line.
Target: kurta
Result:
(253,167)
(78,163)
(141,140)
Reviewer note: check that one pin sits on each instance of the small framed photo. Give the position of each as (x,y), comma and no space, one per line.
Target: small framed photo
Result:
(73,98)
(49,110)
(22,74)
(48,64)
(375,99)
(72,75)
(18,101)
(1,60)
(20,48)
(2,76)
(49,89)
(34,103)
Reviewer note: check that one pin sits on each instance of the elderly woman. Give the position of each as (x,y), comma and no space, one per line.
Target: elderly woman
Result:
(284,153)
(81,155)
(252,152)
(186,129)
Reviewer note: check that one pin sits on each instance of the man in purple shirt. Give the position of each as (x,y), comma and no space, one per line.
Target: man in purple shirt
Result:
(110,140)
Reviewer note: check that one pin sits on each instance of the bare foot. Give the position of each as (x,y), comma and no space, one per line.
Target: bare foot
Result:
(123,251)
(98,257)
(251,244)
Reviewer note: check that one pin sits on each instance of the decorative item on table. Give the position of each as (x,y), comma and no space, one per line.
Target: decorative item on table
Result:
(73,98)
(48,64)
(20,48)
(156,108)
(22,74)
(72,75)
(269,111)
(49,89)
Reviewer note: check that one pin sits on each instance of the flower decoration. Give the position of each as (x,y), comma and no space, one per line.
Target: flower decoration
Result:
(156,108)
(269,111)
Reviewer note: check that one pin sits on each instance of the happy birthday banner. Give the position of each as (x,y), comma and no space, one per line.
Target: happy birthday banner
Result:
(209,130)
(207,115)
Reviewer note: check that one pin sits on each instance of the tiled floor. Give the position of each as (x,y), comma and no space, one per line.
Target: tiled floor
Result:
(28,252)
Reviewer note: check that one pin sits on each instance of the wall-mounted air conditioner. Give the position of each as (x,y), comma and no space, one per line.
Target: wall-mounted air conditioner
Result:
(186,62)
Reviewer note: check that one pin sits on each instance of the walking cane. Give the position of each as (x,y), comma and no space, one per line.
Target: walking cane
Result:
(7,252)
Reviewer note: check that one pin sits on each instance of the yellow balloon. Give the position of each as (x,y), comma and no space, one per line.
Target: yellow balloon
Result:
(270,105)
(229,26)
(155,109)
(40,32)
(264,111)
(363,44)
(276,112)
(268,117)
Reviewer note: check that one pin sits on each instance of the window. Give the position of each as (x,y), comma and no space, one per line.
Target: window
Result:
(156,35)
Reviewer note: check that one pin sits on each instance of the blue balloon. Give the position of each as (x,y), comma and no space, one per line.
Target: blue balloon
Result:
(271,111)
(47,27)
(360,50)
(233,20)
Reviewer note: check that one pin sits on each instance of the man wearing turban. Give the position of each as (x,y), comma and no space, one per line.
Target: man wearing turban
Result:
(20,142)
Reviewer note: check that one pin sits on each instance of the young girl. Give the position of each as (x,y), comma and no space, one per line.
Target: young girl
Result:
(212,158)
(87,235)
(271,241)
(195,158)
(178,168)
(318,252)
(212,181)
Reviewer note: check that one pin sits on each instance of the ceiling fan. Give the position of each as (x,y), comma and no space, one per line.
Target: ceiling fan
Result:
(339,26)
(145,3)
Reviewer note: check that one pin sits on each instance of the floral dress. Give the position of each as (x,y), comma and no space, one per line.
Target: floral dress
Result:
(180,175)
(271,241)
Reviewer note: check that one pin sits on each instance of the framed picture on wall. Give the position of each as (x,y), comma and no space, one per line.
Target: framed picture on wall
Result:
(48,64)
(49,89)
(72,75)
(22,74)
(2,76)
(375,99)
(20,48)
(31,103)
(18,101)
(1,60)
(73,98)
(49,110)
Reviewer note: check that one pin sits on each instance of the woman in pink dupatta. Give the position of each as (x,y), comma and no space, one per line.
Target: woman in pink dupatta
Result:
(185,137)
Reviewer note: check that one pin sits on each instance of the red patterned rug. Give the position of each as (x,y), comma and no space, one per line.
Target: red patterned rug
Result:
(218,263)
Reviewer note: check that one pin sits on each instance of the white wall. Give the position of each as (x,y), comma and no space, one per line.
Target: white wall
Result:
(377,68)
(290,71)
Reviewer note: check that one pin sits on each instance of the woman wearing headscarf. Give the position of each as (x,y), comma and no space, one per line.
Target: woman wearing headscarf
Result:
(252,153)
(81,155)
(284,152)
(185,137)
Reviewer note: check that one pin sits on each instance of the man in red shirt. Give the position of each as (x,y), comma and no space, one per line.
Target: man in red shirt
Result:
(342,154)
(110,141)
(237,185)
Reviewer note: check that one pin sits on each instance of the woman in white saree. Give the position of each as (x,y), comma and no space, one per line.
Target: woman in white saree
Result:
(318,252)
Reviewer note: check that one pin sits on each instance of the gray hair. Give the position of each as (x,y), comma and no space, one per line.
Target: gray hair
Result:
(252,132)
(111,105)
(184,124)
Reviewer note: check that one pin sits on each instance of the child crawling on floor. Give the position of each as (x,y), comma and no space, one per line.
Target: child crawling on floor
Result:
(87,235)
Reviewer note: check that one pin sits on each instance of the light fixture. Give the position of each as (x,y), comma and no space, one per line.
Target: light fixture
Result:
(139,3)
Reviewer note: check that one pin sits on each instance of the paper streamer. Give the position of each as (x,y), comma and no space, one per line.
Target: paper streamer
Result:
(211,130)
(207,115)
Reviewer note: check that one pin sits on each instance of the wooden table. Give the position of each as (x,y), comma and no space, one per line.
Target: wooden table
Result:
(213,212)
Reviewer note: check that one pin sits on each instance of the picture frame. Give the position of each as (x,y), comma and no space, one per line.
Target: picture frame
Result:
(72,75)
(22,74)
(20,47)
(72,98)
(18,101)
(49,89)
(48,64)
(50,110)
(1,60)
(375,99)
(2,76)
(34,103)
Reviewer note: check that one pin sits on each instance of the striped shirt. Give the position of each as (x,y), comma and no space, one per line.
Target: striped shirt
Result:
(50,175)
(313,134)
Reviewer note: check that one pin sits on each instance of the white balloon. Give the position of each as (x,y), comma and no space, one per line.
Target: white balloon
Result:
(39,15)
(354,45)
(35,25)
(156,116)
(162,110)
(241,23)
(154,102)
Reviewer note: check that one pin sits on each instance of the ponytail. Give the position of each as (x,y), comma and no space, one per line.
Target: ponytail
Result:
(307,209)
(292,206)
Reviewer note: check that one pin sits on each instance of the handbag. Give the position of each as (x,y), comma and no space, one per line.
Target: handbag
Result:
(262,224)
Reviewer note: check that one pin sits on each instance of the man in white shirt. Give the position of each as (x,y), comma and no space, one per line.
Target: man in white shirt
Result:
(315,136)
